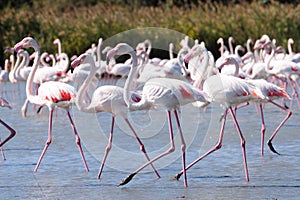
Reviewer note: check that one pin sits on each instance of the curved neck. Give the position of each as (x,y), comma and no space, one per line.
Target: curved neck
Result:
(171,48)
(201,77)
(130,78)
(98,51)
(230,40)
(12,62)
(149,47)
(63,63)
(80,100)
(267,68)
(221,49)
(42,60)
(237,67)
(289,46)
(35,65)
(249,42)
(16,71)
(180,61)
(249,55)
(59,47)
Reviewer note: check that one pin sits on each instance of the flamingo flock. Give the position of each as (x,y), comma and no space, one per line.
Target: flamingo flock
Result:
(244,76)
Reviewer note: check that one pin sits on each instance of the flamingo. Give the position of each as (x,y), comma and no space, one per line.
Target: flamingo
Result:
(295,57)
(172,68)
(25,61)
(272,92)
(229,91)
(4,103)
(166,92)
(106,98)
(52,94)
(283,69)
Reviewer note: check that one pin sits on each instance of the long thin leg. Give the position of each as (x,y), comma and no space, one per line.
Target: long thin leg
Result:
(243,142)
(24,108)
(294,93)
(170,150)
(2,152)
(289,113)
(183,147)
(216,147)
(108,147)
(12,133)
(142,147)
(78,141)
(263,128)
(48,142)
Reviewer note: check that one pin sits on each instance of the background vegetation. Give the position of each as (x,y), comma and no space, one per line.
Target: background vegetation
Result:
(79,23)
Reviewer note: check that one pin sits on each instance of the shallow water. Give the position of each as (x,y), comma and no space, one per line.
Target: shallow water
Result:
(219,176)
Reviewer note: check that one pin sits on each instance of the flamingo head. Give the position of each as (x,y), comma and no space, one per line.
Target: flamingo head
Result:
(119,49)
(257,45)
(84,58)
(9,50)
(26,43)
(56,41)
(4,103)
(226,61)
(264,38)
(197,50)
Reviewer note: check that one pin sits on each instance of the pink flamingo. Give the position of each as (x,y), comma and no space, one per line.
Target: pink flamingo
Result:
(166,92)
(4,103)
(283,69)
(52,94)
(229,91)
(106,98)
(272,92)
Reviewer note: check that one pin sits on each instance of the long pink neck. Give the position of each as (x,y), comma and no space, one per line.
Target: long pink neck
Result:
(267,68)
(35,65)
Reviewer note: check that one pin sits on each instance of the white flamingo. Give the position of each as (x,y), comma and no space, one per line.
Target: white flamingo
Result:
(51,94)
(166,92)
(229,91)
(106,98)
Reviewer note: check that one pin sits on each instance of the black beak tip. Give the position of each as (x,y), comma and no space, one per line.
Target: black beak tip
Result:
(186,64)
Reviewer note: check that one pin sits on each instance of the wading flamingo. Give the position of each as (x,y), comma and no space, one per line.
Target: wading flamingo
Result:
(169,93)
(106,98)
(229,91)
(272,92)
(51,94)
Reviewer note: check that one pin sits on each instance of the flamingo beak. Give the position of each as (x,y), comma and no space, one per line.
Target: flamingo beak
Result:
(18,46)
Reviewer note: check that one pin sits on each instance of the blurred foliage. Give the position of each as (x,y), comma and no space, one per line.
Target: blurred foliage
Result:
(79,23)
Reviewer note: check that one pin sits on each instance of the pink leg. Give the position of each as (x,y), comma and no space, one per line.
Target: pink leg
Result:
(48,142)
(216,147)
(238,107)
(284,86)
(289,113)
(263,128)
(183,147)
(170,150)
(24,108)
(295,93)
(78,142)
(108,147)
(243,142)
(142,147)
(12,133)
